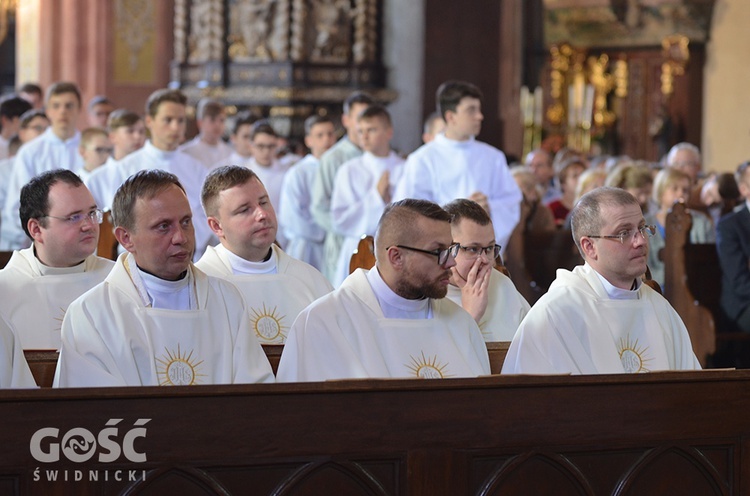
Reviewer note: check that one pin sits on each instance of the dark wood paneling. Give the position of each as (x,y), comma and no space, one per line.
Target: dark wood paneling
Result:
(669,433)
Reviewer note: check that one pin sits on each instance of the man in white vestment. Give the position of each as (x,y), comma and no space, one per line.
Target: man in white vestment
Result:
(208,147)
(393,320)
(14,370)
(276,287)
(364,185)
(304,236)
(156,319)
(455,165)
(600,318)
(345,149)
(61,218)
(166,121)
(487,294)
(56,148)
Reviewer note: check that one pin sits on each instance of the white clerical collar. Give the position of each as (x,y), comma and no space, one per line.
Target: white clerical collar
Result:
(46,270)
(441,138)
(395,306)
(160,293)
(240,266)
(616,293)
(157,152)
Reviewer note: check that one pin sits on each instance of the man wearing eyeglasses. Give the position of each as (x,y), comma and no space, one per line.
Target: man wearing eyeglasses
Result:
(60,216)
(487,294)
(600,318)
(392,321)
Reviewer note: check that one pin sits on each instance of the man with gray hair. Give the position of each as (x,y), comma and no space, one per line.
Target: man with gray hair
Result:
(156,319)
(687,158)
(600,318)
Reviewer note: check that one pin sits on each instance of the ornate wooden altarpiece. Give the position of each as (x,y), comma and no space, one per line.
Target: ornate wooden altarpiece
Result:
(285,59)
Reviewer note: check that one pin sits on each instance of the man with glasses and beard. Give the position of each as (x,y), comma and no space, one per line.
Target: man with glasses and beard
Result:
(392,321)
(600,318)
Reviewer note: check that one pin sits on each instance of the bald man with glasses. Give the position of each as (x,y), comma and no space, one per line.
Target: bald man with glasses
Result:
(62,220)
(600,318)
(487,294)
(392,321)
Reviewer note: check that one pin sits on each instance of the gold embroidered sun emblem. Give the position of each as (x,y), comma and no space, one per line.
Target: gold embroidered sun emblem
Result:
(59,320)
(633,356)
(178,369)
(427,368)
(268,325)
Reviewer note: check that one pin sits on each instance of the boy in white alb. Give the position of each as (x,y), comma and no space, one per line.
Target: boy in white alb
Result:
(456,165)
(95,148)
(487,294)
(61,218)
(305,237)
(156,319)
(394,320)
(276,287)
(600,318)
(56,148)
(364,185)
(208,147)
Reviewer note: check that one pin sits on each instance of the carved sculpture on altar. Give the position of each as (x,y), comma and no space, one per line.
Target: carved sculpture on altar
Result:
(287,58)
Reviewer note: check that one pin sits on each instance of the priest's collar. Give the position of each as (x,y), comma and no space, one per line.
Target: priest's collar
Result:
(156,292)
(46,270)
(616,293)
(240,266)
(395,306)
(441,138)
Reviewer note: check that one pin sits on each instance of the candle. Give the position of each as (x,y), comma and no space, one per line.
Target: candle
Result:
(588,103)
(525,106)
(538,106)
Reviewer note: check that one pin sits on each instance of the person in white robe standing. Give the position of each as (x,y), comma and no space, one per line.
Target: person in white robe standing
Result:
(487,294)
(345,149)
(56,148)
(208,147)
(14,370)
(166,121)
(276,287)
(600,318)
(156,319)
(305,238)
(12,107)
(392,321)
(61,218)
(456,165)
(364,185)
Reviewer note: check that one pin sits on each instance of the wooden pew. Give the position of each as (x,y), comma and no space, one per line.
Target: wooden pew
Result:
(645,434)
(107,247)
(43,362)
(364,256)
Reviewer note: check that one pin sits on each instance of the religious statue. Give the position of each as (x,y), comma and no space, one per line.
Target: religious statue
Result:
(331,20)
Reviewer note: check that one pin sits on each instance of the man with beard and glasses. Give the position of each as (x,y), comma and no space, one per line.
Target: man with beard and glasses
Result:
(600,318)
(392,321)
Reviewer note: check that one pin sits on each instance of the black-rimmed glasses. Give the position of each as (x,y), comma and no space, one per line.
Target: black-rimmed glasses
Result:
(492,251)
(442,255)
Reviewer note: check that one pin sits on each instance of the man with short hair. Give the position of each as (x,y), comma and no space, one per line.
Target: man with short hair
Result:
(208,147)
(56,148)
(156,319)
(600,318)
(433,125)
(394,320)
(487,294)
(275,286)
(345,149)
(33,94)
(364,185)
(61,218)
(11,110)
(99,109)
(539,161)
(687,158)
(166,120)
(455,165)
(305,237)
(127,132)
(33,123)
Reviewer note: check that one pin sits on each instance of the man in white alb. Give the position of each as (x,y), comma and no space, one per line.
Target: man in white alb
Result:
(166,121)
(56,148)
(394,320)
(14,370)
(455,165)
(600,318)
(276,286)
(345,149)
(61,218)
(156,319)
(487,294)
(364,185)
(304,236)
(208,147)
